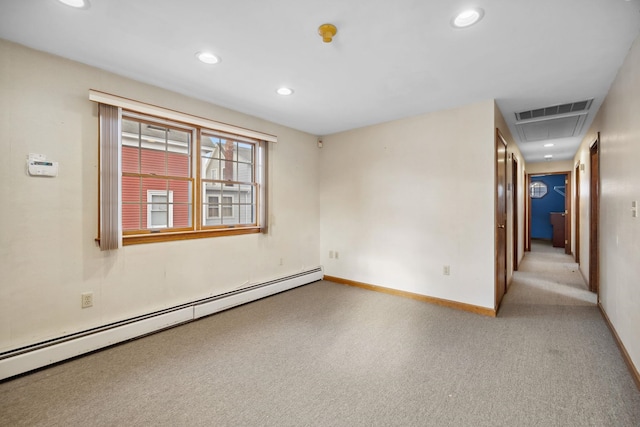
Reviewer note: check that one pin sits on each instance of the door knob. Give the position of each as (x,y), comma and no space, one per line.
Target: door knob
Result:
(500,225)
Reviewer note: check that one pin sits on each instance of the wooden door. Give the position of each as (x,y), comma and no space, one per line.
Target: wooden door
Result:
(576,250)
(514,210)
(501,218)
(527,214)
(594,208)
(567,214)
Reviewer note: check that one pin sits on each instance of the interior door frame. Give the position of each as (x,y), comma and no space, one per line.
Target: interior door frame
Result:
(527,213)
(576,204)
(514,210)
(567,206)
(500,230)
(594,217)
(567,214)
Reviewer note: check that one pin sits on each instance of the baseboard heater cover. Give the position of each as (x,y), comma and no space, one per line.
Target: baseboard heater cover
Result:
(224,302)
(26,359)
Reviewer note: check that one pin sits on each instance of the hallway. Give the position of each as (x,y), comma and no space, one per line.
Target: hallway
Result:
(547,276)
(570,362)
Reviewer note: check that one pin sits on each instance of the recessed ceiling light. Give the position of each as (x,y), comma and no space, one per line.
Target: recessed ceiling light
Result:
(284,91)
(548,156)
(78,4)
(548,145)
(467,18)
(207,57)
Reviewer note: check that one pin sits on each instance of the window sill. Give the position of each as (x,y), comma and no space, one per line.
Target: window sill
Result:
(168,237)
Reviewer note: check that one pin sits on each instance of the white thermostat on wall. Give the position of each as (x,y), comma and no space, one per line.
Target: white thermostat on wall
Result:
(38,165)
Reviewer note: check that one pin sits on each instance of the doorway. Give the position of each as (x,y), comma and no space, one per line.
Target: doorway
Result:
(576,249)
(594,210)
(549,209)
(514,210)
(501,219)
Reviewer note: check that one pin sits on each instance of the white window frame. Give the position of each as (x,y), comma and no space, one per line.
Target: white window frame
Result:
(208,206)
(221,205)
(226,205)
(150,194)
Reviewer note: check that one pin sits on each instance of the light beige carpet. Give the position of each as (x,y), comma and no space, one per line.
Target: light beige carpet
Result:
(332,355)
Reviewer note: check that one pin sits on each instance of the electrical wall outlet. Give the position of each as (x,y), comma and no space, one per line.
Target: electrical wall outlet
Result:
(446,270)
(337,255)
(330,254)
(87,299)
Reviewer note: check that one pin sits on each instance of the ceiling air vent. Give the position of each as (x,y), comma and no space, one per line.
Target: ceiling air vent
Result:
(557,121)
(573,107)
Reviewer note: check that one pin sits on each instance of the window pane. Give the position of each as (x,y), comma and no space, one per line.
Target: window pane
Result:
(247,201)
(228,165)
(225,159)
(247,194)
(178,153)
(131,189)
(247,214)
(227,207)
(180,191)
(245,172)
(182,215)
(178,165)
(130,159)
(211,198)
(159,219)
(211,147)
(130,146)
(164,151)
(131,217)
(159,203)
(153,161)
(157,185)
(209,168)
(212,207)
(229,198)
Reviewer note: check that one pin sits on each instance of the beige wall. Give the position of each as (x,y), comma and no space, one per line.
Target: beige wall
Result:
(400,200)
(48,256)
(549,167)
(619,129)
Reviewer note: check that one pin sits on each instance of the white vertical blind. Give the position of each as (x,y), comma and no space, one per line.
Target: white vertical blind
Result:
(263,176)
(109,177)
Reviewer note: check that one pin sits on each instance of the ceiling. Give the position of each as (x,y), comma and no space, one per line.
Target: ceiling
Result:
(389,59)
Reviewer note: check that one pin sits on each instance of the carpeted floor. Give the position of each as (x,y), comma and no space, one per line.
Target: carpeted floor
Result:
(332,355)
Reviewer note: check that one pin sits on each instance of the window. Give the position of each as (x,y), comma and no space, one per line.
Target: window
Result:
(232,195)
(538,190)
(212,208)
(159,174)
(180,179)
(159,209)
(156,176)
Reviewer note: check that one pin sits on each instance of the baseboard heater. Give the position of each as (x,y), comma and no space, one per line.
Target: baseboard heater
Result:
(25,359)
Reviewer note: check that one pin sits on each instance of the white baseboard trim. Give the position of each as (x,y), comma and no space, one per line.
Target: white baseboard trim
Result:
(36,356)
